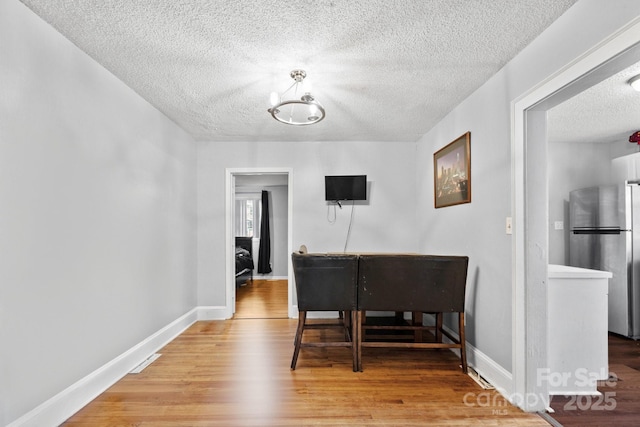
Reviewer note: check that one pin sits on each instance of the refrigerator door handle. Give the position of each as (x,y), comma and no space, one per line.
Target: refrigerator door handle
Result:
(612,230)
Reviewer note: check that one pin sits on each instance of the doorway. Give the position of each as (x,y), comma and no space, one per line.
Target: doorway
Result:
(265,295)
(530,209)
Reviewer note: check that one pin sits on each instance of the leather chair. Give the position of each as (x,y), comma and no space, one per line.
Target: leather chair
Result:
(326,283)
(417,284)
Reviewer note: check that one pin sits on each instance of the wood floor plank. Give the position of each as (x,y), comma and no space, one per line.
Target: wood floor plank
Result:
(262,299)
(236,373)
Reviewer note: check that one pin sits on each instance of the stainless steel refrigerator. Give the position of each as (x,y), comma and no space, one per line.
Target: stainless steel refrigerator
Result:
(602,237)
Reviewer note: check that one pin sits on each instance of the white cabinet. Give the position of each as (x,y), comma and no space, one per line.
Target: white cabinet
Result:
(577,330)
(625,168)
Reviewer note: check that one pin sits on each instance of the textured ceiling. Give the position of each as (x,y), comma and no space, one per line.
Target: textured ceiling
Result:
(608,112)
(384,70)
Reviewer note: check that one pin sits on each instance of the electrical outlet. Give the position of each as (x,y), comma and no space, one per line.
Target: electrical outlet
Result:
(509,228)
(558,225)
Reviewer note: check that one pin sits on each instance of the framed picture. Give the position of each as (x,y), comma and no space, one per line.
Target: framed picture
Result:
(452,173)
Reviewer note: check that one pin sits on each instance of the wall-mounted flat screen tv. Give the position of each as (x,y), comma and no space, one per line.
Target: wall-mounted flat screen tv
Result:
(345,187)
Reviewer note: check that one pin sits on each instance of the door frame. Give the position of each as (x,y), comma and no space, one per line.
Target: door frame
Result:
(530,204)
(230,193)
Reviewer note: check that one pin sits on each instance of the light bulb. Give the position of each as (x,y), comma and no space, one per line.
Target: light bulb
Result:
(313,113)
(274,99)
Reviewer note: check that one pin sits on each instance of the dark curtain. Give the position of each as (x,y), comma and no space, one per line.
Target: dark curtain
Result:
(264,252)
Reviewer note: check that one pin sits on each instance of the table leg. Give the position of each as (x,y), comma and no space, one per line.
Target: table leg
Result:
(416,320)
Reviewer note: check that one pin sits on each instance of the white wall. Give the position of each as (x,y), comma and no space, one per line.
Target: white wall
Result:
(97,215)
(478,229)
(386,222)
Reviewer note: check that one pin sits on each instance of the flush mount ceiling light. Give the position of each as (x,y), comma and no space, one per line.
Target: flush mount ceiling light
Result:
(301,111)
(635,82)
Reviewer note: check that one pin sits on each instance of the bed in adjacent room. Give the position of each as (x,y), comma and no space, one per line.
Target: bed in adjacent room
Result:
(244,261)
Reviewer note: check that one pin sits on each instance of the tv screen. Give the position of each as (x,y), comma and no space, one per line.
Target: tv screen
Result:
(345,187)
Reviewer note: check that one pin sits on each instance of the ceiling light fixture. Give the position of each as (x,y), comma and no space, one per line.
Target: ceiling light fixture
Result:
(296,111)
(635,82)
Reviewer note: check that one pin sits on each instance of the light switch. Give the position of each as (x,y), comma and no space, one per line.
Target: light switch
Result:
(509,229)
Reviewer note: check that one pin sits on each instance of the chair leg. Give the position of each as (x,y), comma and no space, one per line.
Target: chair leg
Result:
(302,317)
(346,323)
(463,341)
(438,327)
(357,339)
(353,319)
(417,320)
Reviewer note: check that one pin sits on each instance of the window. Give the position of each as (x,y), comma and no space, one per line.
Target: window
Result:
(247,221)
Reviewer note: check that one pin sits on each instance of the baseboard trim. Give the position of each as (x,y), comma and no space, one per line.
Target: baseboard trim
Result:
(485,366)
(69,401)
(213,312)
(491,371)
(267,277)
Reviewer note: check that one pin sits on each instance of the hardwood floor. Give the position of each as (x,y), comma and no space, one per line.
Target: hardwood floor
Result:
(262,299)
(619,404)
(236,373)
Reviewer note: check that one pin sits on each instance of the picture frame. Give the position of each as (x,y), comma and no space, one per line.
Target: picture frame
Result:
(452,173)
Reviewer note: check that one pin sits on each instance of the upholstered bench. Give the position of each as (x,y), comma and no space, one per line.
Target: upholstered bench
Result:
(417,284)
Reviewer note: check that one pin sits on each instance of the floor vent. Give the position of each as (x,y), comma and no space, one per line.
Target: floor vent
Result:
(481,381)
(144,364)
